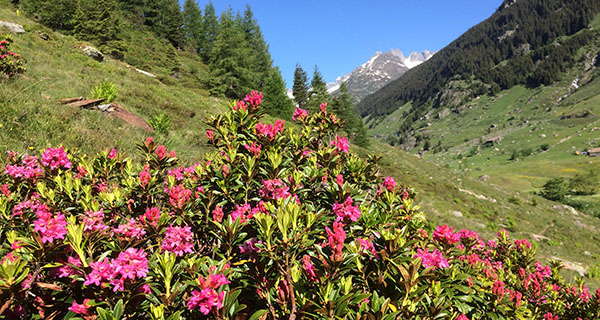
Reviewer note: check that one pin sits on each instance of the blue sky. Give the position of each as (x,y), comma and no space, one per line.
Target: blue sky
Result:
(337,35)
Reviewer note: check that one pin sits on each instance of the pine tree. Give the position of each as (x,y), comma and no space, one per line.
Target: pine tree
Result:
(343,107)
(227,62)
(276,101)
(98,21)
(192,24)
(318,91)
(300,89)
(210,29)
(57,14)
(165,19)
(259,58)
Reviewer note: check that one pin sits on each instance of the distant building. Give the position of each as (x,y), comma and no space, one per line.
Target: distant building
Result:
(594,152)
(492,141)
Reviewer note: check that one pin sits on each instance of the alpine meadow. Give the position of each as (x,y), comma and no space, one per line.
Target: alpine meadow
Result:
(155,164)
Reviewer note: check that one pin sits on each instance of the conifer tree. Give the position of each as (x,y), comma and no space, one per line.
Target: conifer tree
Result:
(98,21)
(192,24)
(227,62)
(166,20)
(276,101)
(259,59)
(210,29)
(300,89)
(57,14)
(344,108)
(318,91)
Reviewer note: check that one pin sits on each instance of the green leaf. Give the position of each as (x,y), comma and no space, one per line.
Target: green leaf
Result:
(258,314)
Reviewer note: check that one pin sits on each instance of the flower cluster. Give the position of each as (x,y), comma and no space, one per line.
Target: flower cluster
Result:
(11,62)
(50,226)
(208,299)
(54,158)
(178,240)
(345,211)
(270,130)
(341,144)
(129,265)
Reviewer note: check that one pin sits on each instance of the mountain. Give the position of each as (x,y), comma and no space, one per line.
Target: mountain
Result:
(378,71)
(527,42)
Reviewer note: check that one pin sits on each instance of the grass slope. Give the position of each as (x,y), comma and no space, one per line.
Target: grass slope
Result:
(31,117)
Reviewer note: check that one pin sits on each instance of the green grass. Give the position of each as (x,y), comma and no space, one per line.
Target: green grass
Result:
(31,117)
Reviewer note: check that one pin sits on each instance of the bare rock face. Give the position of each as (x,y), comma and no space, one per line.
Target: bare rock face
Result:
(93,53)
(12,27)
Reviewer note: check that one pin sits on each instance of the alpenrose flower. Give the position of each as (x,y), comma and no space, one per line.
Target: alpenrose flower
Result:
(208,299)
(433,259)
(54,158)
(178,240)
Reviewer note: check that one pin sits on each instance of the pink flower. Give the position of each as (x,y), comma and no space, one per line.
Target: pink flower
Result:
(29,168)
(130,264)
(254,149)
(112,154)
(54,158)
(218,214)
(50,227)
(94,221)
(131,230)
(522,244)
(550,316)
(341,144)
(80,308)
(339,180)
(240,213)
(249,246)
(274,189)
(270,130)
(151,216)
(309,268)
(179,196)
(389,183)
(210,135)
(445,234)
(69,269)
(240,106)
(323,107)
(178,240)
(299,114)
(5,190)
(254,99)
(367,246)
(433,259)
(161,152)
(346,211)
(498,289)
(515,296)
(462,317)
(144,176)
(101,270)
(206,300)
(336,240)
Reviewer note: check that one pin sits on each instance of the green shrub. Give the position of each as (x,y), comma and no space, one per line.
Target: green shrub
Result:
(105,90)
(11,63)
(555,189)
(160,123)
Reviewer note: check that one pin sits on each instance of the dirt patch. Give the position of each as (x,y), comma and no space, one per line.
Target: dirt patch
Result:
(129,117)
(112,110)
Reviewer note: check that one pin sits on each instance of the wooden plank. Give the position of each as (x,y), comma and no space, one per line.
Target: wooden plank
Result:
(86,103)
(70,100)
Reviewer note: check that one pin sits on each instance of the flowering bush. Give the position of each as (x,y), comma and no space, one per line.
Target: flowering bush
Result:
(279,223)
(11,63)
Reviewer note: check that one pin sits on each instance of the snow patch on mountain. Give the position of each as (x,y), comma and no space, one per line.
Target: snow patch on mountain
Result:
(379,70)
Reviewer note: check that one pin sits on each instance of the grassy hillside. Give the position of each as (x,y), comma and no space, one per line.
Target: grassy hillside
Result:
(32,119)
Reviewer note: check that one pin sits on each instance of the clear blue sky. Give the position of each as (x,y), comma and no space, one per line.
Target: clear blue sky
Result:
(338,35)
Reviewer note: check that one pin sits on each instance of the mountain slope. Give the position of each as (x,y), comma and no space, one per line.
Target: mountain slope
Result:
(379,70)
(515,45)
